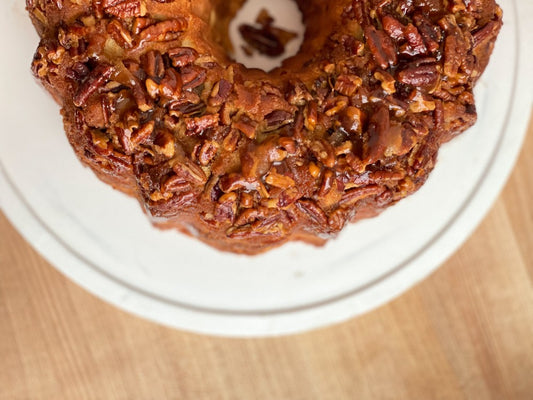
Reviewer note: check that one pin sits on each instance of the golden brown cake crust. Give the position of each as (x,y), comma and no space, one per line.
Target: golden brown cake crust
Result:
(247,160)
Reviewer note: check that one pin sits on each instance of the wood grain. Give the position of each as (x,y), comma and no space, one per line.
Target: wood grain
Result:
(466,332)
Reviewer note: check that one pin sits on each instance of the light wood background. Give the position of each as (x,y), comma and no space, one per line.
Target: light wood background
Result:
(464,333)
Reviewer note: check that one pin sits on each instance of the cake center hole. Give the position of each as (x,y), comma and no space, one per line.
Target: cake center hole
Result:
(263,34)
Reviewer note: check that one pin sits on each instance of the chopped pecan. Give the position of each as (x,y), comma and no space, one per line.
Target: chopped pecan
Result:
(429,32)
(235,181)
(387,81)
(182,56)
(488,31)
(173,205)
(324,152)
(231,140)
(347,84)
(131,137)
(420,102)
(163,31)
(153,64)
(96,79)
(247,200)
(311,116)
(352,196)
(220,93)
(337,220)
(381,136)
(127,8)
(246,126)
(164,143)
(312,211)
(144,102)
(171,84)
(314,170)
(192,76)
(226,208)
(207,152)
(339,105)
(328,180)
(119,33)
(78,71)
(298,95)
(278,118)
(273,178)
(288,144)
(352,120)
(197,125)
(141,23)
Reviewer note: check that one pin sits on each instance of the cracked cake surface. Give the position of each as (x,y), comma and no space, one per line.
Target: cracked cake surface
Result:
(245,159)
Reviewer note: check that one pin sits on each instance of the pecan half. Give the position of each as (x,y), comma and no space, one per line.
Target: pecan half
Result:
(419,76)
(312,211)
(352,196)
(381,46)
(163,31)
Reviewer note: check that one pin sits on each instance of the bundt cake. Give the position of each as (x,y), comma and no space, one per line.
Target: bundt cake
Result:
(246,159)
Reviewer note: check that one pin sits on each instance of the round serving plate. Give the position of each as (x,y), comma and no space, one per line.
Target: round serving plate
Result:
(101,239)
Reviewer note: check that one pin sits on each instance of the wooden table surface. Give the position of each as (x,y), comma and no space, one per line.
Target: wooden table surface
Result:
(466,332)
